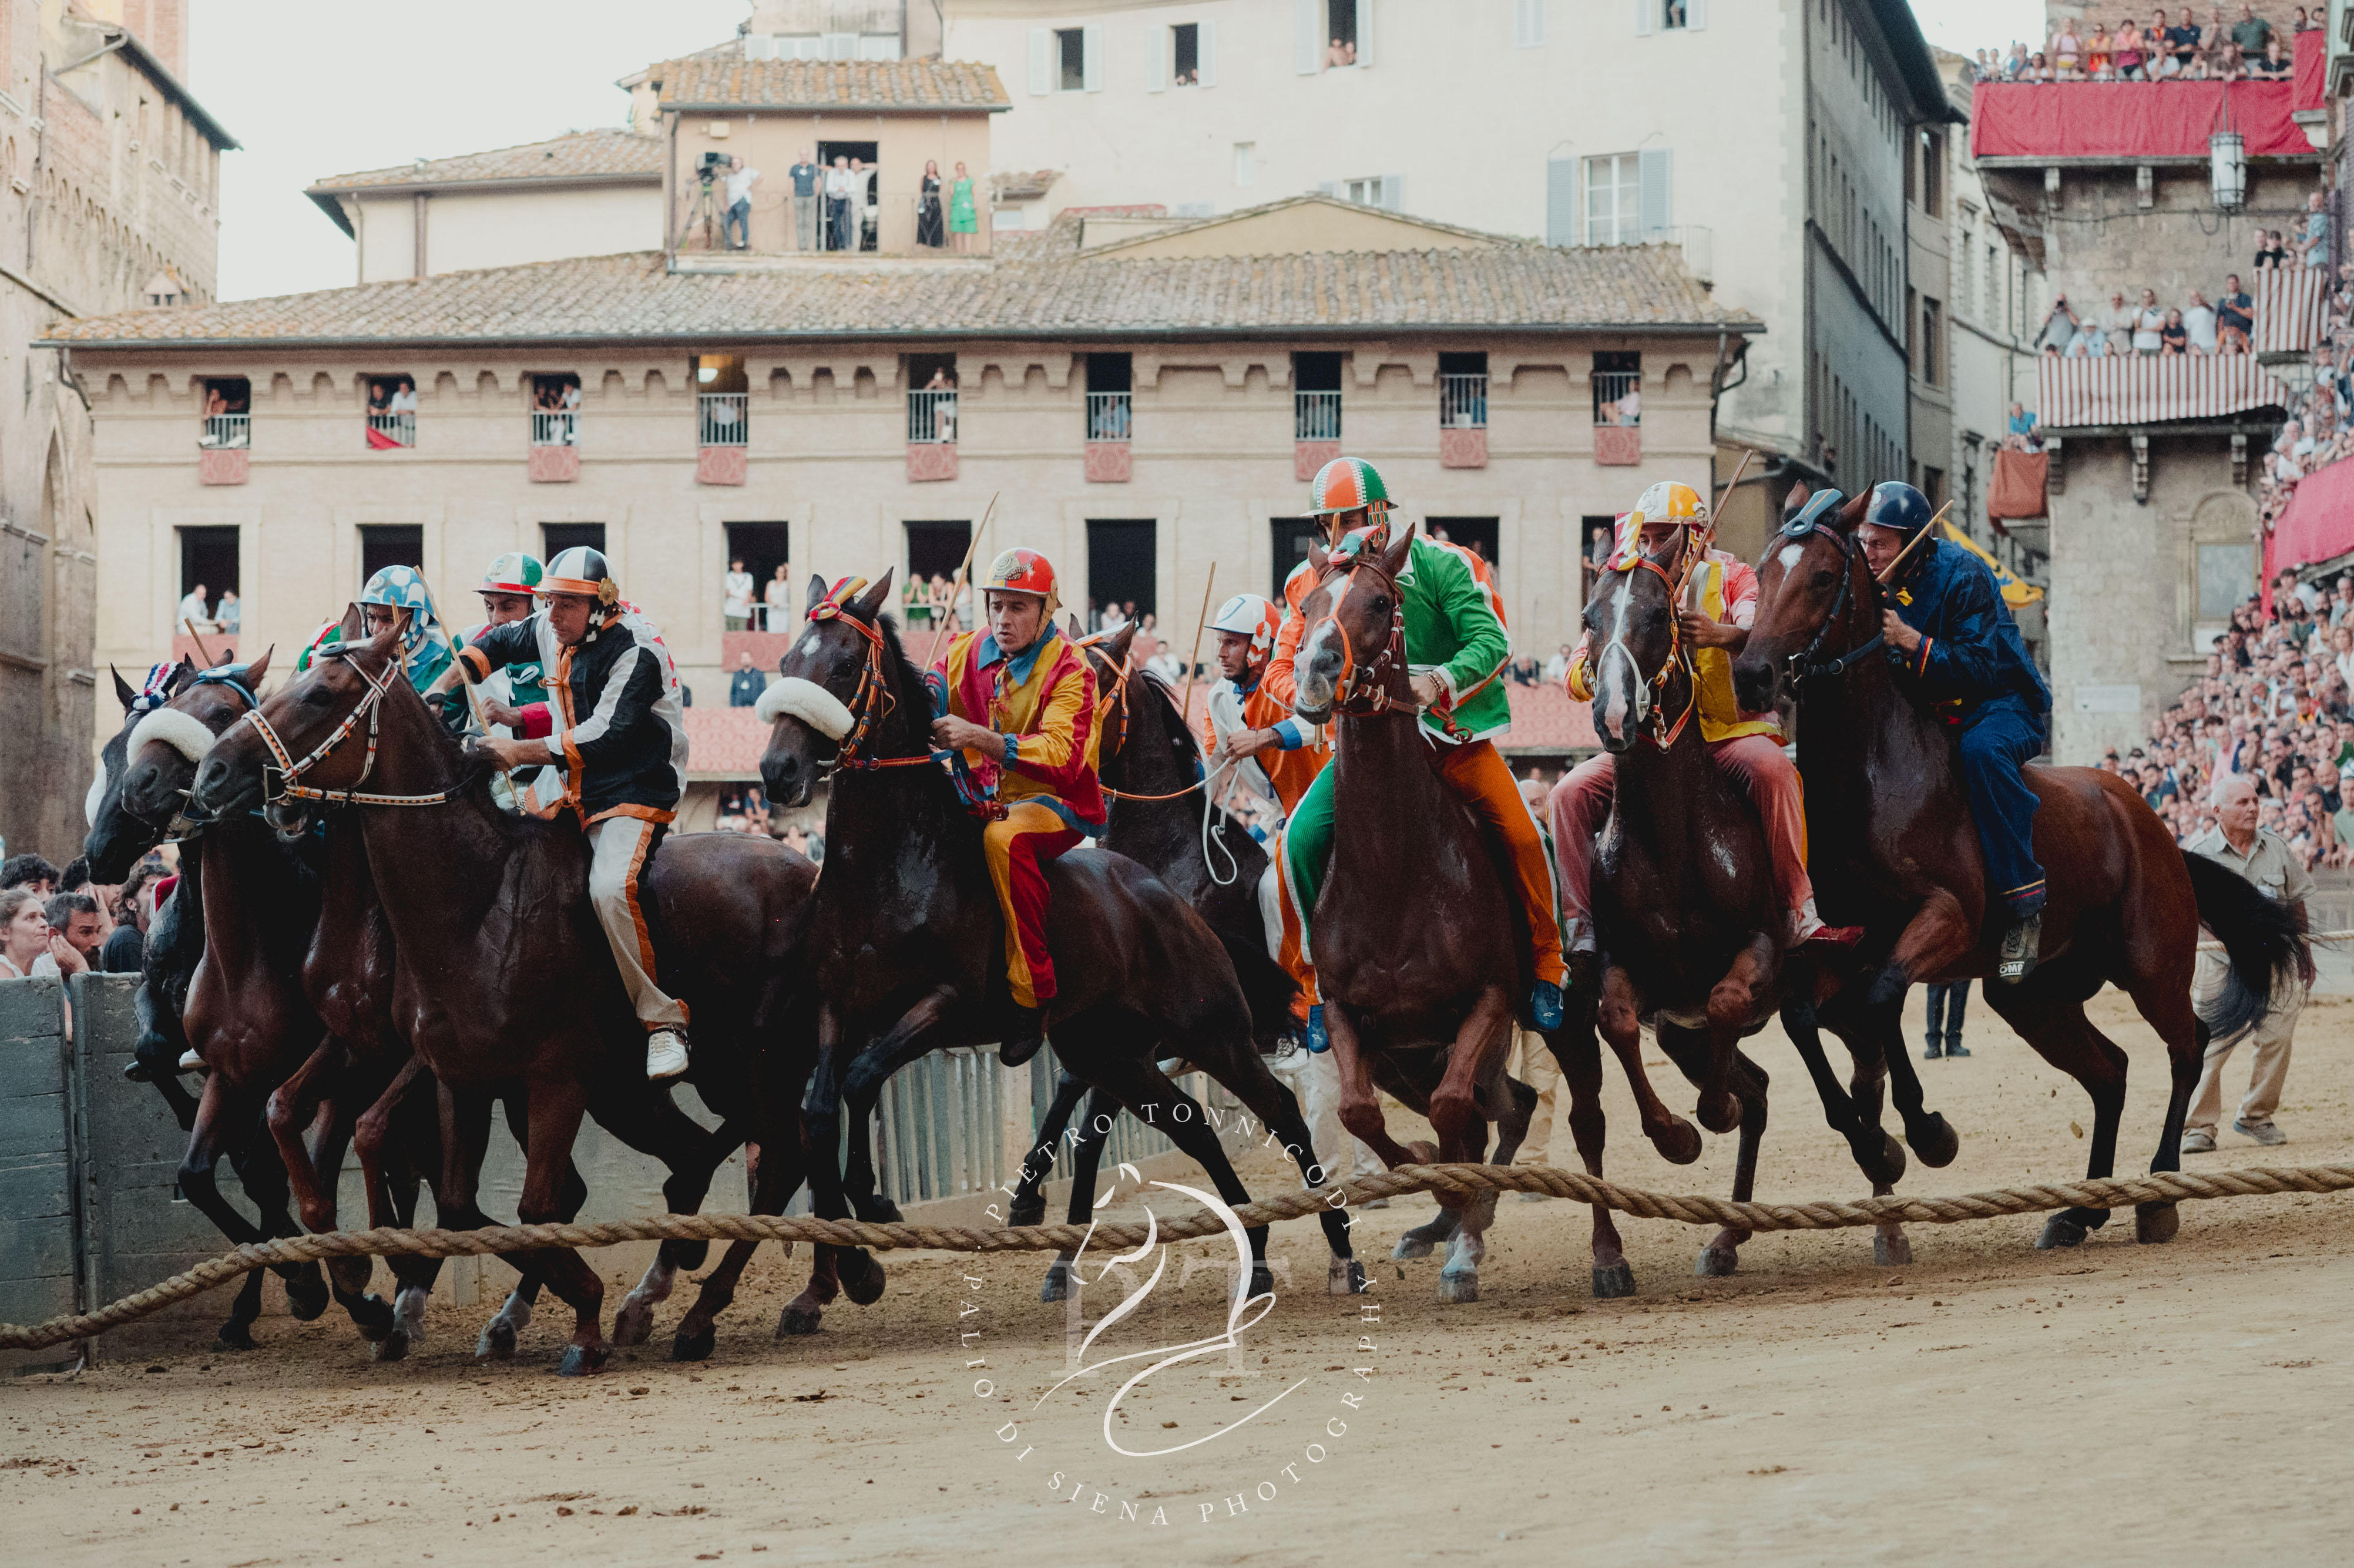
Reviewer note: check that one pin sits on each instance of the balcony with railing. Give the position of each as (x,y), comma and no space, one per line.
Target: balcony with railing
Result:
(1617,418)
(932,433)
(1315,432)
(898,225)
(1108,415)
(391,431)
(221,451)
(723,431)
(555,446)
(1463,422)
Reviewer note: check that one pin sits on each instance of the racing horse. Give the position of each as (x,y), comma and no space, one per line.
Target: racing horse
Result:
(503,983)
(1894,850)
(906,948)
(1417,990)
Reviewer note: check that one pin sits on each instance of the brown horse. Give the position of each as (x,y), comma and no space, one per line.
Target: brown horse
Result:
(1894,850)
(503,984)
(1418,949)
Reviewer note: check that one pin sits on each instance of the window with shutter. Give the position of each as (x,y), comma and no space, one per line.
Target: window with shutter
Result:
(1158,45)
(1560,201)
(1207,44)
(1646,12)
(1393,191)
(1528,24)
(1307,48)
(1655,208)
(1695,15)
(1041,61)
(1612,211)
(1091,57)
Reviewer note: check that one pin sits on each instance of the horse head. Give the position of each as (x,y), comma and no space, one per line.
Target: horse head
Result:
(1808,596)
(1631,639)
(115,840)
(1116,686)
(310,717)
(160,751)
(840,671)
(1351,656)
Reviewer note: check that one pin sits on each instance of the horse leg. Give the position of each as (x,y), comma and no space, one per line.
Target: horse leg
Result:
(1480,1041)
(370,1313)
(287,1113)
(2168,1009)
(652,1124)
(392,1199)
(779,1177)
(1619,1016)
(1086,1159)
(1029,1205)
(556,1106)
(466,1136)
(2053,1021)
(220,1109)
(1938,938)
(1722,1256)
(1891,1248)
(1580,1055)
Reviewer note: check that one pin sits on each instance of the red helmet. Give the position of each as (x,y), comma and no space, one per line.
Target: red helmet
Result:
(1022,571)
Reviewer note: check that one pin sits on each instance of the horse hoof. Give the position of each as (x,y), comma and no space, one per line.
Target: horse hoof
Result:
(372,1314)
(1720,1115)
(1425,1153)
(1262,1280)
(1027,1212)
(1891,1251)
(633,1323)
(393,1347)
(795,1321)
(584,1361)
(497,1343)
(2060,1231)
(1887,1167)
(307,1295)
(1411,1245)
(879,1210)
(2154,1224)
(1057,1285)
(351,1275)
(1717,1263)
(693,1347)
(1613,1281)
(1345,1276)
(861,1280)
(408,1315)
(1679,1142)
(235,1336)
(1457,1288)
(1934,1140)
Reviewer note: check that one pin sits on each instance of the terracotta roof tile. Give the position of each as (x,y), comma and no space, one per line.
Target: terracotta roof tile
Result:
(575,156)
(718,79)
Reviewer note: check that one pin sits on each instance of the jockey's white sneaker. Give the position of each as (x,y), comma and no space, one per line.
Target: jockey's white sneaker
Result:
(1577,934)
(665,1053)
(190,1061)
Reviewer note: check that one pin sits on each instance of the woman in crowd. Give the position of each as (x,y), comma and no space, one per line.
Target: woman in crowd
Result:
(929,229)
(779,598)
(24,935)
(2129,52)
(964,220)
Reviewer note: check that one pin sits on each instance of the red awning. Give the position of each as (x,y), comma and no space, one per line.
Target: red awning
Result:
(2316,525)
(2146,119)
(2136,389)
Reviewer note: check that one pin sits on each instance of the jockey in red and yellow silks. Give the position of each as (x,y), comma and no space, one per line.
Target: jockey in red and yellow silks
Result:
(1020,701)
(1716,620)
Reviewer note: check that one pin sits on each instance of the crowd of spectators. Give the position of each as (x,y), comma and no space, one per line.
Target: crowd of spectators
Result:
(2173,46)
(2320,429)
(59,923)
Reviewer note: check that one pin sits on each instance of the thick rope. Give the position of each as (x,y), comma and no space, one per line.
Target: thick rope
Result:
(1451,1182)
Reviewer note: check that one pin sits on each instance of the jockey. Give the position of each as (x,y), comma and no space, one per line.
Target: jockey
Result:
(515,695)
(1955,646)
(1456,648)
(619,746)
(1715,620)
(425,646)
(1019,700)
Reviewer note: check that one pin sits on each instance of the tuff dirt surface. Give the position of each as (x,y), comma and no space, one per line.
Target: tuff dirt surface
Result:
(2115,1404)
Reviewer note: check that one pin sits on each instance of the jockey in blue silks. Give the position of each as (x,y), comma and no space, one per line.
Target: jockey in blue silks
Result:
(1957,650)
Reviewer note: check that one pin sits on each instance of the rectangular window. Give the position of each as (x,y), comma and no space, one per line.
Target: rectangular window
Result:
(1071,59)
(1933,342)
(391,412)
(1245,162)
(1109,385)
(1121,566)
(386,545)
(1372,190)
(1185,48)
(208,568)
(763,552)
(1617,377)
(1597,536)
(1463,391)
(1528,24)
(1316,396)
(1342,43)
(1613,199)
(556,410)
(229,413)
(1476,535)
(1932,486)
(554,538)
(1292,537)
(935,550)
(1933,172)
(722,412)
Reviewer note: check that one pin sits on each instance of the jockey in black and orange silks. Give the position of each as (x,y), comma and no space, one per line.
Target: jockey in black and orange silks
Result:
(1020,701)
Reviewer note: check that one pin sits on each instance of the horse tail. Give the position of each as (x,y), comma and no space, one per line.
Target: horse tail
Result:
(1266,985)
(2263,943)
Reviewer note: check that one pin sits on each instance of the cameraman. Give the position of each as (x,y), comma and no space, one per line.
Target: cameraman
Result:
(736,228)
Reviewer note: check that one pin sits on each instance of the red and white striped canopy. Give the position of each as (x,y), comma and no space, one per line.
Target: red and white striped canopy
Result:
(2132,389)
(2289,308)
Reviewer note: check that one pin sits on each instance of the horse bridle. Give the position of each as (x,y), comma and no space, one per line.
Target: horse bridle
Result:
(1663,735)
(1802,665)
(369,707)
(1364,689)
(870,703)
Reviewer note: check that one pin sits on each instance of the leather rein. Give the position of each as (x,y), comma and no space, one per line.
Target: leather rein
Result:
(1114,700)
(369,707)
(1803,665)
(870,703)
(1664,734)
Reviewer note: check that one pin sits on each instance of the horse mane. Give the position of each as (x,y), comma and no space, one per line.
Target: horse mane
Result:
(1187,744)
(909,691)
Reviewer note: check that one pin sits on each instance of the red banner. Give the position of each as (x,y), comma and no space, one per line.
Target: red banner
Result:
(2146,119)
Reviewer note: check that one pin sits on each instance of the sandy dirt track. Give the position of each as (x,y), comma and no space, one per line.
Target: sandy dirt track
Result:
(2116,1403)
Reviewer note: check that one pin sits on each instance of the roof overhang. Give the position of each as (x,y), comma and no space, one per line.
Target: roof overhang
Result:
(330,198)
(857,110)
(1915,67)
(127,42)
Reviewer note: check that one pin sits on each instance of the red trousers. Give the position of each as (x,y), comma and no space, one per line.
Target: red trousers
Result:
(1019,848)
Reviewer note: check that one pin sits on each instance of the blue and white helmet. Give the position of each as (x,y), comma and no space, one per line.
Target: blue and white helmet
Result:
(403,587)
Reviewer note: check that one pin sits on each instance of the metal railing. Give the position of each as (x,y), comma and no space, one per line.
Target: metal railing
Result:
(1107,416)
(722,419)
(226,431)
(1611,389)
(1315,415)
(939,1127)
(1463,402)
(932,415)
(563,429)
(400,429)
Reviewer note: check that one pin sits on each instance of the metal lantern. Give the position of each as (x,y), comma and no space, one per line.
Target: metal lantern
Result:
(2227,167)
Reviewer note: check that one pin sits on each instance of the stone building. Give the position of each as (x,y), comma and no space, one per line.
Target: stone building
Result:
(1144,410)
(112,179)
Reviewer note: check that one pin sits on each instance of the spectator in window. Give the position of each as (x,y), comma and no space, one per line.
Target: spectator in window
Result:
(807,178)
(2198,321)
(2149,325)
(2249,35)
(228,613)
(2270,252)
(2235,317)
(2118,322)
(1332,55)
(2068,52)
(2129,52)
(736,604)
(779,600)
(736,228)
(404,396)
(931,220)
(1630,407)
(195,614)
(2313,246)
(837,204)
(2173,338)
(2100,53)
(964,219)
(862,196)
(379,396)
(745,686)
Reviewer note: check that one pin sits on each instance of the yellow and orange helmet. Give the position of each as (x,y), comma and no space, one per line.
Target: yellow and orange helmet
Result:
(1670,501)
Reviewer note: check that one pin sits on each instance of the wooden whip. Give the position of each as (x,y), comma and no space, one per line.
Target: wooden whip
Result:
(1185,703)
(956,590)
(1926,528)
(198,638)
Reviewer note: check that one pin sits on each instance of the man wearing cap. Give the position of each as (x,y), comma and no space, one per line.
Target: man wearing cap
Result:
(1456,649)
(1020,701)
(514,694)
(1277,755)
(1954,647)
(617,749)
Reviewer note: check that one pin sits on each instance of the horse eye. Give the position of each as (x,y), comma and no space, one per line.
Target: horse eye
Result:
(1380,604)
(1824,579)
(318,697)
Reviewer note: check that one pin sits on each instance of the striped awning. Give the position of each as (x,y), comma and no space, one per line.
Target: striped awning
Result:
(2132,389)
(2290,309)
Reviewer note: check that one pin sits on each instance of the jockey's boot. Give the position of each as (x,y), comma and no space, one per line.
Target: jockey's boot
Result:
(1806,926)
(2021,943)
(1546,1005)
(666,1053)
(1318,1042)
(1025,1031)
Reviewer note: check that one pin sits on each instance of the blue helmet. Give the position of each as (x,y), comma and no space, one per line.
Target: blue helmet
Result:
(1896,504)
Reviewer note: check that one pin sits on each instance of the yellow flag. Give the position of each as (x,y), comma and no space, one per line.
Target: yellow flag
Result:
(2014,592)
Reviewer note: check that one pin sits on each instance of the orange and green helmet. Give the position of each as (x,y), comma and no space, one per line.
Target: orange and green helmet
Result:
(1347,484)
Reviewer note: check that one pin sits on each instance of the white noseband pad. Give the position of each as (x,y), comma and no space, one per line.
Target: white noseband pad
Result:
(807,702)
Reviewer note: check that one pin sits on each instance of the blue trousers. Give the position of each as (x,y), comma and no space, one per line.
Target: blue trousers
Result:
(1998,738)
(1946,1005)
(736,225)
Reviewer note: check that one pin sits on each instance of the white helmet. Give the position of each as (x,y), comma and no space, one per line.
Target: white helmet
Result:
(1253,617)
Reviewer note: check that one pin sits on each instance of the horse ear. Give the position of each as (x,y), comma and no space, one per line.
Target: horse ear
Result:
(1116,645)
(816,593)
(123,691)
(258,668)
(182,673)
(1851,514)
(1394,557)
(871,604)
(1318,555)
(355,622)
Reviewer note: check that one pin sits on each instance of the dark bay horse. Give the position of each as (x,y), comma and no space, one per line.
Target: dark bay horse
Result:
(906,948)
(504,985)
(1418,948)
(1894,850)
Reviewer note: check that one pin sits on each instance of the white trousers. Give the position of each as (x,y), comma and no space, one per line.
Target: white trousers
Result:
(617,848)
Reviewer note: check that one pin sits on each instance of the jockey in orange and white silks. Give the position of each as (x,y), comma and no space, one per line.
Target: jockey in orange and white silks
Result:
(1715,621)
(1019,700)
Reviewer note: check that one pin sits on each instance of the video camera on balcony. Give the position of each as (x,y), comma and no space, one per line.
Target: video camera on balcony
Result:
(709,166)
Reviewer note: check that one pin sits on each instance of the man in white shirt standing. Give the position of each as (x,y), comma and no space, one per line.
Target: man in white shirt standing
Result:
(2259,854)
(736,228)
(2198,321)
(195,613)
(738,605)
(2148,320)
(837,204)
(2118,321)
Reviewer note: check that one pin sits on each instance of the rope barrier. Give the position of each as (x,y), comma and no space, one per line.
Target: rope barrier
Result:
(1457,1181)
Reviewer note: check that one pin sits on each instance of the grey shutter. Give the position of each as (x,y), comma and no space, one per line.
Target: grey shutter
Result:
(1646,13)
(1560,201)
(1041,54)
(1527,23)
(1364,32)
(1158,47)
(1205,52)
(1695,15)
(1307,48)
(1393,191)
(1654,204)
(1091,57)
